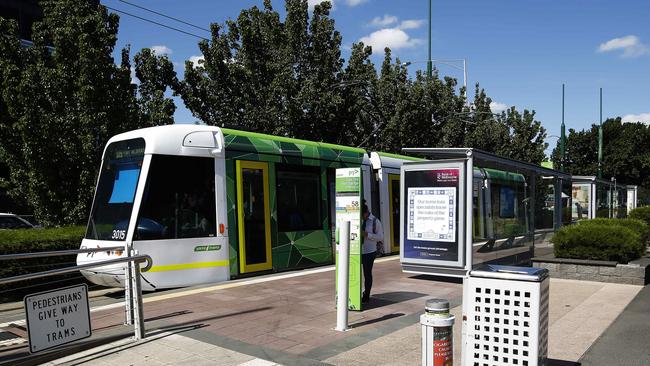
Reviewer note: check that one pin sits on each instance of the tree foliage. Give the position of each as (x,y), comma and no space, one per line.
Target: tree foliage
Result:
(626,153)
(62,98)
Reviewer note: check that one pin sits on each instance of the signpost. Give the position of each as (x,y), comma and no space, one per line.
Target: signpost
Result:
(57,317)
(348,208)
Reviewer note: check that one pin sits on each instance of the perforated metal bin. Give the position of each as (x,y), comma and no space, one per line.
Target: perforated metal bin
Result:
(505,316)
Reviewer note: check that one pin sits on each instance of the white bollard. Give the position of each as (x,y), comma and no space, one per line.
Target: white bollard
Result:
(343,277)
(437,334)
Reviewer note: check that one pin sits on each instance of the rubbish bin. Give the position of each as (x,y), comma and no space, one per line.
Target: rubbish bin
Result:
(506,316)
(437,334)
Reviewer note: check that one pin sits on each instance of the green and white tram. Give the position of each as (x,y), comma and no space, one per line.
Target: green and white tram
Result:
(209,204)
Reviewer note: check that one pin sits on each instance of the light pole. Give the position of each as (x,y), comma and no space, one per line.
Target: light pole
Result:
(562,136)
(429,62)
(600,138)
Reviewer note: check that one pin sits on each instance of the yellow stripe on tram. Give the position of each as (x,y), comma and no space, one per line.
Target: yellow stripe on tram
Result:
(180,267)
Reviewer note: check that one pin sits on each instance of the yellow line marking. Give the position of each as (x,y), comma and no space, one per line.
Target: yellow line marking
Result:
(179,267)
(252,281)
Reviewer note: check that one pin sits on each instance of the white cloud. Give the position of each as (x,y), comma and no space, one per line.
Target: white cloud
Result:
(354,2)
(161,50)
(134,79)
(642,117)
(313,3)
(384,21)
(498,107)
(630,45)
(411,23)
(394,38)
(195,60)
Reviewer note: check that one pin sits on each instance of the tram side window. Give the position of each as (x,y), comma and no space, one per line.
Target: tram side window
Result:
(299,198)
(178,199)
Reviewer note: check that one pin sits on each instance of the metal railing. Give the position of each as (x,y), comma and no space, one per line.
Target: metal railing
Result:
(133,292)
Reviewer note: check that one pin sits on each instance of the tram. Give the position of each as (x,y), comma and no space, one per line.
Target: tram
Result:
(209,204)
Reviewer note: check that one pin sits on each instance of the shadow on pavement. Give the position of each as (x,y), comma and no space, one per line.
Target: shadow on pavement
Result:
(554,362)
(376,320)
(438,278)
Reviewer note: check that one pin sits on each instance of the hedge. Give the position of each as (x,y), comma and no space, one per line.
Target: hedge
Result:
(36,240)
(637,226)
(641,213)
(598,241)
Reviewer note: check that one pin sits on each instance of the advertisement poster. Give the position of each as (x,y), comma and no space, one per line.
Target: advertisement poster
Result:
(431,214)
(348,208)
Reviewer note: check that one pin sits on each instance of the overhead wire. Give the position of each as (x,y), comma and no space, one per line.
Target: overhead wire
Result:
(156,23)
(164,15)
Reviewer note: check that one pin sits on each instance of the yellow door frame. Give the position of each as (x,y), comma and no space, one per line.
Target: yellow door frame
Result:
(394,247)
(264,167)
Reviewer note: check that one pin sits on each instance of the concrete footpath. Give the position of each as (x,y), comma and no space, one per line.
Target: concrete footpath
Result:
(287,319)
(627,340)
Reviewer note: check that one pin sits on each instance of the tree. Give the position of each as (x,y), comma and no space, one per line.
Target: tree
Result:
(62,98)
(156,74)
(626,153)
(526,142)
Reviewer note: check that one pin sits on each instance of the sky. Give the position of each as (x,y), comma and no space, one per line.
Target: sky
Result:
(520,52)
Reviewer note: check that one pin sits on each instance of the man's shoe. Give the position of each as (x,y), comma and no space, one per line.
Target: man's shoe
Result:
(365,298)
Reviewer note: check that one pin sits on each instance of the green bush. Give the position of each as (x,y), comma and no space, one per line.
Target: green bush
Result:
(598,242)
(641,213)
(36,240)
(637,226)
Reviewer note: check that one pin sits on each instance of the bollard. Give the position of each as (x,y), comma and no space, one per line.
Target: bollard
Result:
(343,277)
(437,334)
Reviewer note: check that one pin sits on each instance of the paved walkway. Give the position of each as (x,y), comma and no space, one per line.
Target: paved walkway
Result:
(627,340)
(287,319)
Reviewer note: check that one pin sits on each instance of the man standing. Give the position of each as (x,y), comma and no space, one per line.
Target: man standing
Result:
(372,233)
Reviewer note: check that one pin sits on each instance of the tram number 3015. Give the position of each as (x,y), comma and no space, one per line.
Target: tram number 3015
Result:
(118,234)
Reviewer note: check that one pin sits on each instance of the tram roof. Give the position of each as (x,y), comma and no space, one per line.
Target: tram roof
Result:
(486,159)
(279,145)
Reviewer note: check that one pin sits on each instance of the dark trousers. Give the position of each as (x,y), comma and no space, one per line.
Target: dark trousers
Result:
(367,260)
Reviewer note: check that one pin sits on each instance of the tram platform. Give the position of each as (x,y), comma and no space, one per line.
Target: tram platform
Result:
(288,319)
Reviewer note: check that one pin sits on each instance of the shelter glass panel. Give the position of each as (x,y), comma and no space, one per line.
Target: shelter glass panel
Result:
(502,207)
(603,198)
(567,201)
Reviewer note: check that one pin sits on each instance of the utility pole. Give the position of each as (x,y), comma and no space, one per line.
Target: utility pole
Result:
(429,63)
(562,136)
(600,138)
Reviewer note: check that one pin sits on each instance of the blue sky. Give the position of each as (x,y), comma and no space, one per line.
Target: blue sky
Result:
(519,51)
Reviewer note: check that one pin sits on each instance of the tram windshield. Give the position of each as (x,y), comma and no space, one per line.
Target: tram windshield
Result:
(111,213)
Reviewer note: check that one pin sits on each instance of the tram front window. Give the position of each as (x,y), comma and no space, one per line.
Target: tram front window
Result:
(118,179)
(178,200)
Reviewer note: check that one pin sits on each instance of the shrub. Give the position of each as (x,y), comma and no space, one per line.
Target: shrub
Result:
(641,213)
(637,226)
(36,240)
(598,242)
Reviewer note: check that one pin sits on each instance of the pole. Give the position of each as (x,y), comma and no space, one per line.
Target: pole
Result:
(343,278)
(562,136)
(429,62)
(600,138)
(465,80)
(138,309)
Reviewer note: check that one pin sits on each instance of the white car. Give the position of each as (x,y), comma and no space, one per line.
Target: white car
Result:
(11,221)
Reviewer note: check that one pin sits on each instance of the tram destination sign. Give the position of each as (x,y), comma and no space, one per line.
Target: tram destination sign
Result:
(57,317)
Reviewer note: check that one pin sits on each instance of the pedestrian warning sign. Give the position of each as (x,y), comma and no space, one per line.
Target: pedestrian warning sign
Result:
(57,317)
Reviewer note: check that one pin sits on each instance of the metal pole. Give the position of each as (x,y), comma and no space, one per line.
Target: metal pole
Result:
(429,62)
(138,310)
(128,280)
(343,278)
(562,136)
(600,138)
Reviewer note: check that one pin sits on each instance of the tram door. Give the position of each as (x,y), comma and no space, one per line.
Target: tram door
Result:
(394,206)
(253,216)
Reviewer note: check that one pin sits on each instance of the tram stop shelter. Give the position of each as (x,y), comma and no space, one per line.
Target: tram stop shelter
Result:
(595,197)
(464,208)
